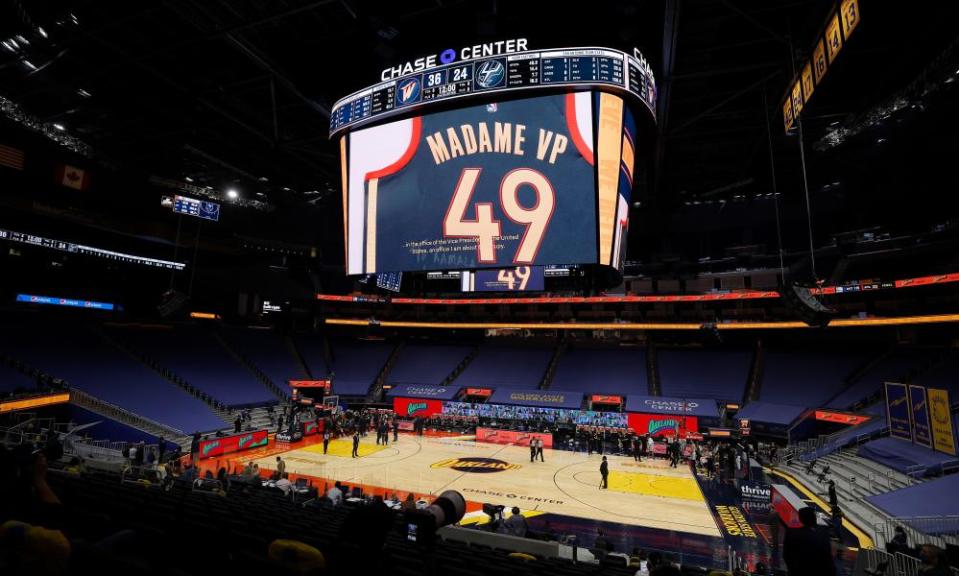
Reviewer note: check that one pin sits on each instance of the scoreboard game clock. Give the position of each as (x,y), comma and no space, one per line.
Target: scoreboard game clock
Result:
(530,162)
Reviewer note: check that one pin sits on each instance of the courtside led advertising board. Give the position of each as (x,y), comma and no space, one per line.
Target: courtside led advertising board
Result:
(527,182)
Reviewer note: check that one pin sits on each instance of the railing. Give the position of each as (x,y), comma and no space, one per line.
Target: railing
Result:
(937,530)
(874,562)
(125,416)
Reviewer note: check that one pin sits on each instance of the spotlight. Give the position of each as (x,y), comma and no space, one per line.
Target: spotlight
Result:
(59,127)
(232,194)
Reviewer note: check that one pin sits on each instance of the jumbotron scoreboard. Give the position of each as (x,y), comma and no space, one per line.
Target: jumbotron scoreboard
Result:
(494,157)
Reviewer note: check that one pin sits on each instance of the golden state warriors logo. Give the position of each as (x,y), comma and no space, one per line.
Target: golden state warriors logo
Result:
(476,465)
(408,91)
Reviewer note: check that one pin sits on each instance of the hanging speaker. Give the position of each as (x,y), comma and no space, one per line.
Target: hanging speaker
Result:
(801,301)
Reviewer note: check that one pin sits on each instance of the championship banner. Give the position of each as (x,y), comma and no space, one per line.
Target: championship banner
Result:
(658,425)
(416,407)
(919,406)
(897,411)
(943,436)
(234,443)
(513,437)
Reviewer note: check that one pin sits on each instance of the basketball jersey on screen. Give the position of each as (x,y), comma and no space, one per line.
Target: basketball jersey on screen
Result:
(407,193)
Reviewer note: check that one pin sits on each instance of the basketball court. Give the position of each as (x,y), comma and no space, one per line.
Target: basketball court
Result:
(648,494)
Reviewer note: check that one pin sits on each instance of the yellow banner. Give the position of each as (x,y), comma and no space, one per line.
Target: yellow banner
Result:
(833,38)
(819,61)
(797,98)
(943,438)
(788,114)
(807,84)
(35,402)
(850,16)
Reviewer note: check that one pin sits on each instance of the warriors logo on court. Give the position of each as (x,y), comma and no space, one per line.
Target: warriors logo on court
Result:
(476,465)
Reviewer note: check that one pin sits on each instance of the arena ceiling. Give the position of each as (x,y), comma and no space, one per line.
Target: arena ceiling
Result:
(238,93)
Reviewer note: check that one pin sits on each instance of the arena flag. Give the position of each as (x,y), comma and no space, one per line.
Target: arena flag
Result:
(920,416)
(11,157)
(943,435)
(73,177)
(897,411)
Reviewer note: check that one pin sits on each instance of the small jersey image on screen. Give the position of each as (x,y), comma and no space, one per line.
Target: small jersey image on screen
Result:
(497,185)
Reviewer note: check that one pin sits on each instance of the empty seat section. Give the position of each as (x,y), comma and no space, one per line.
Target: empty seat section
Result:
(807,378)
(602,371)
(719,374)
(427,364)
(269,352)
(509,367)
(356,364)
(893,367)
(198,358)
(86,361)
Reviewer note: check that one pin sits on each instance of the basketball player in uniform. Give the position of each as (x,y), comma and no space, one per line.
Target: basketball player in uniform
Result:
(604,472)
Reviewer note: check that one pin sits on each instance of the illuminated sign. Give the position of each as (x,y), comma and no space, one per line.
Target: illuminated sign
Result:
(205,315)
(198,208)
(479,391)
(450,56)
(840,417)
(35,402)
(52,244)
(492,69)
(604,399)
(90,304)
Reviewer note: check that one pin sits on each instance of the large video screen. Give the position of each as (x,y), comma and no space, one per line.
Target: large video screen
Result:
(529,182)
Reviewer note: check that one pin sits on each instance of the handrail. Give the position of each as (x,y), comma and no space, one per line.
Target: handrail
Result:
(78,394)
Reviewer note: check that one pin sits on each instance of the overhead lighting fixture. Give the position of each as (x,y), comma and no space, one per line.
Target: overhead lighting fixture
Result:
(188,179)
(232,194)
(23,40)
(41,31)
(9,46)
(880,141)
(83,93)
(29,65)
(59,127)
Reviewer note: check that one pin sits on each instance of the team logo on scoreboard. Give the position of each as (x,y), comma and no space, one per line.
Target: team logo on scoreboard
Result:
(490,74)
(408,91)
(476,465)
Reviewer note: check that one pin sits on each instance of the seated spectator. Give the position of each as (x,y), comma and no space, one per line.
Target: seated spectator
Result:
(335,494)
(284,484)
(410,503)
(934,561)
(899,542)
(516,525)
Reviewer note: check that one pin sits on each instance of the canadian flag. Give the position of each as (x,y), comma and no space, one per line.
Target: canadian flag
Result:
(73,177)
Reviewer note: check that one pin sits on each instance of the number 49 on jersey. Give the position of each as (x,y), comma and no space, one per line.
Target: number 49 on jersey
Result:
(486,228)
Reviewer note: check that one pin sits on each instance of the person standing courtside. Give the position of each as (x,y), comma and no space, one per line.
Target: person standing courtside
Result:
(326,440)
(539,449)
(604,472)
(532,449)
(356,444)
(396,429)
